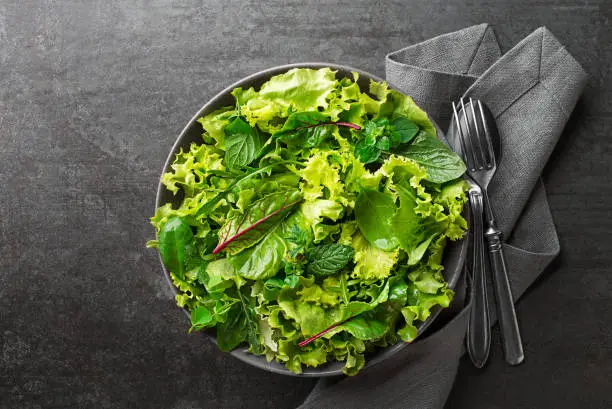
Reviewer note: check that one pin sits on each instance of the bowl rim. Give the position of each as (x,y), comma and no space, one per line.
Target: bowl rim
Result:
(331,368)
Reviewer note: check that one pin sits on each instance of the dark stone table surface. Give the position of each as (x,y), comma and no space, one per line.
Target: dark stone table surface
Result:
(92,96)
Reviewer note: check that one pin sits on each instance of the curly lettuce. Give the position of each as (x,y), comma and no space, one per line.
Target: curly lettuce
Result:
(313,220)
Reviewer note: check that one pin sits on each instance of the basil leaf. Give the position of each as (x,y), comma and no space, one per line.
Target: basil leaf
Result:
(175,245)
(328,259)
(245,230)
(440,163)
(242,144)
(374,212)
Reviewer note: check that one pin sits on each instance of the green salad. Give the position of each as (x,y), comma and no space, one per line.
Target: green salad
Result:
(313,219)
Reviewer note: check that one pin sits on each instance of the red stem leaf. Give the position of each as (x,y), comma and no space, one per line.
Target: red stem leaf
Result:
(320,334)
(229,240)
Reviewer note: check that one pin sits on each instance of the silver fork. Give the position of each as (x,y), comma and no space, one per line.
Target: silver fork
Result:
(478,334)
(479,140)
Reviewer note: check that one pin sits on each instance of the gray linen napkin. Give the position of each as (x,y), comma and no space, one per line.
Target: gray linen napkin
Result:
(531,91)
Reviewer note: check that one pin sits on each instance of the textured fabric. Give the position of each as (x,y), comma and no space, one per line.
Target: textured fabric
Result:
(531,91)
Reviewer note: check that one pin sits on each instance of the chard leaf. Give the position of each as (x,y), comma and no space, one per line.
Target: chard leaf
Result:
(242,144)
(263,260)
(245,230)
(328,259)
(308,129)
(365,327)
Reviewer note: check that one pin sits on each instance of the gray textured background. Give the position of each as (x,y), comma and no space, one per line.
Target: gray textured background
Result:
(92,96)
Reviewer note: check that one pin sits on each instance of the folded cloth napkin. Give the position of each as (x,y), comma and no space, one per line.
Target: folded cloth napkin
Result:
(531,91)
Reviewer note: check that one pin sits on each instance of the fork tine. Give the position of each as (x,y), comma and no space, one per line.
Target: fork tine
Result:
(481,150)
(469,163)
(489,143)
(471,150)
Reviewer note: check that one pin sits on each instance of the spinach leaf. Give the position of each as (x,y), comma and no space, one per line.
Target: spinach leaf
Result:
(440,163)
(242,144)
(328,259)
(374,212)
(175,245)
(245,230)
(414,232)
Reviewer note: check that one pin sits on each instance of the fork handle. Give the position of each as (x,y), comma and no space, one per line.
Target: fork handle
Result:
(478,339)
(511,336)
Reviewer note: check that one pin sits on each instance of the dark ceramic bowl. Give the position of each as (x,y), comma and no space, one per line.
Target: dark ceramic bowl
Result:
(454,255)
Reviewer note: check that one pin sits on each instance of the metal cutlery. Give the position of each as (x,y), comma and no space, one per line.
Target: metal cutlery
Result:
(481,147)
(478,337)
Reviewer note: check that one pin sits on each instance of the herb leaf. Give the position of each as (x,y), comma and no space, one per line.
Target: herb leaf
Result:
(381,135)
(328,259)
(242,144)
(244,231)
(404,130)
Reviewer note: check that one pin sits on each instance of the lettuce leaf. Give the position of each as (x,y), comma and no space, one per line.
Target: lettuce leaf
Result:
(370,261)
(295,91)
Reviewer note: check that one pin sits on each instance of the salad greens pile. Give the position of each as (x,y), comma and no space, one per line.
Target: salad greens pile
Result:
(313,220)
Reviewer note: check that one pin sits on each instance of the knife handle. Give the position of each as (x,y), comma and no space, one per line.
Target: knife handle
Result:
(511,336)
(479,328)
